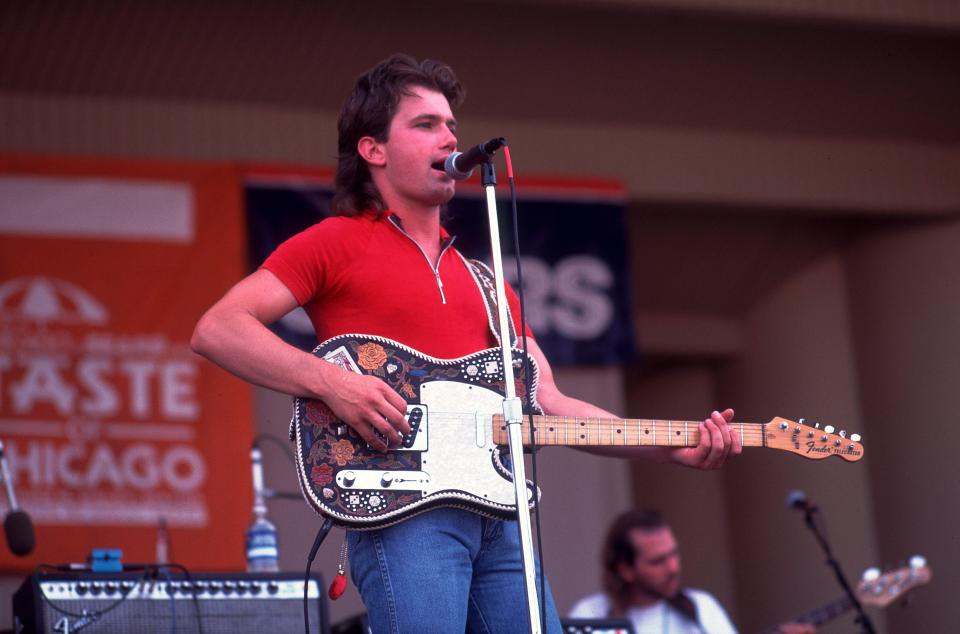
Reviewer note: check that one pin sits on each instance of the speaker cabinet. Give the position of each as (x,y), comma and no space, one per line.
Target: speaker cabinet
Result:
(200,603)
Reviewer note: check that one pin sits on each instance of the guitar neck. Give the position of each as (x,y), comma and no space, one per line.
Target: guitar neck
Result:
(821,615)
(572,431)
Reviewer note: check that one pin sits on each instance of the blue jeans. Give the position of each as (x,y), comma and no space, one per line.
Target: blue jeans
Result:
(445,571)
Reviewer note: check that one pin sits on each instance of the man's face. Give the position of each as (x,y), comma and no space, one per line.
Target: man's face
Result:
(656,568)
(421,133)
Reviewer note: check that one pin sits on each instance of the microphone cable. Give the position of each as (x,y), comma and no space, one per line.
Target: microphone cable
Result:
(193,590)
(528,384)
(321,535)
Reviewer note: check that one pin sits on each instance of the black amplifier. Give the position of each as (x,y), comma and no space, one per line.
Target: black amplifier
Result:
(198,603)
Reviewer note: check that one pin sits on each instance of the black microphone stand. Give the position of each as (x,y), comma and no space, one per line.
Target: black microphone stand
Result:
(808,515)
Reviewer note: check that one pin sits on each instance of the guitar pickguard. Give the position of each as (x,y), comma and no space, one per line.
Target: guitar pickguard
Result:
(449,458)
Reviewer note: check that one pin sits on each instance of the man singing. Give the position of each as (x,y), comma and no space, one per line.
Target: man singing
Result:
(384,266)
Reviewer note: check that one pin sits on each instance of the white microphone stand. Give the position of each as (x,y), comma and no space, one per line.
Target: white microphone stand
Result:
(512,407)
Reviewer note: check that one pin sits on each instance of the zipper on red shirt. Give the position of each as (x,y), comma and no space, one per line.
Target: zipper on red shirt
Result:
(436,270)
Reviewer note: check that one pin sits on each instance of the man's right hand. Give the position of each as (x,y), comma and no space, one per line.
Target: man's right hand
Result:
(367,404)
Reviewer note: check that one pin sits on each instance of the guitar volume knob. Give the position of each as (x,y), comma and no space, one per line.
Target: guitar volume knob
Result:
(386,479)
(349,477)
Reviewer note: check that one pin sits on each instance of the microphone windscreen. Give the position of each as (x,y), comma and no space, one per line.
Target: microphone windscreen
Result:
(796,499)
(19,531)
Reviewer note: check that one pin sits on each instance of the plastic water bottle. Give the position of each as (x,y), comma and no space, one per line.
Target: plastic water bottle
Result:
(263,555)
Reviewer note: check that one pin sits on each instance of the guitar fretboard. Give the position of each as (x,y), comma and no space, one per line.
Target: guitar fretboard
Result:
(573,431)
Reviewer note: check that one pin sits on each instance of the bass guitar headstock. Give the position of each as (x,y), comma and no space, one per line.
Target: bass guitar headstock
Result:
(881,590)
(814,443)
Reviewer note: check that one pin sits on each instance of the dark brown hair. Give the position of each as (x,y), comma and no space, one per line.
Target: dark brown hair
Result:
(368,111)
(618,549)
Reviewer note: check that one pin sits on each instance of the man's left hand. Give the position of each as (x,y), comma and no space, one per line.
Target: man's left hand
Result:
(717,442)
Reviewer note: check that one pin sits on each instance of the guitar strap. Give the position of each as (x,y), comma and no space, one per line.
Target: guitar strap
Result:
(483,276)
(685,606)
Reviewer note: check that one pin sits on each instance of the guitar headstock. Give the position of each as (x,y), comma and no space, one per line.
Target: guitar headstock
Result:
(814,443)
(881,590)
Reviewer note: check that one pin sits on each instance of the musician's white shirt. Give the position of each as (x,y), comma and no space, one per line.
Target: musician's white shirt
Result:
(661,618)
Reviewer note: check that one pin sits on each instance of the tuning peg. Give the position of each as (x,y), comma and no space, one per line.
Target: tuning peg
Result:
(802,421)
(918,561)
(843,434)
(816,425)
(828,429)
(871,574)
(855,437)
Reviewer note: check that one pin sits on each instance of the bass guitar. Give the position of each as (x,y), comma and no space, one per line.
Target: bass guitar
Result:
(453,455)
(874,589)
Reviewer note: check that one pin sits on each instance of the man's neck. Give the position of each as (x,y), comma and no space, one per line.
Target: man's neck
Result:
(423,226)
(640,599)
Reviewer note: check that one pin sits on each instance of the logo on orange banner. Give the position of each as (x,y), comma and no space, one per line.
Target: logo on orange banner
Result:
(112,426)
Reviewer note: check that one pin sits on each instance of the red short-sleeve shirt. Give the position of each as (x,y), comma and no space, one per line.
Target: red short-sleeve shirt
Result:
(363,275)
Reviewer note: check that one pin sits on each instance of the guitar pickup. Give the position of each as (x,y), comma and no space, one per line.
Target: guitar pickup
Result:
(416,440)
(415,416)
(379,480)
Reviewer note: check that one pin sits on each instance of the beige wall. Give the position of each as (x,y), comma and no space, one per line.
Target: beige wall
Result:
(905,298)
(798,363)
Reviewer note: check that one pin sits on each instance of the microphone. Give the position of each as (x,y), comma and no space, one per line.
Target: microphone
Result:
(459,165)
(797,500)
(259,494)
(17,526)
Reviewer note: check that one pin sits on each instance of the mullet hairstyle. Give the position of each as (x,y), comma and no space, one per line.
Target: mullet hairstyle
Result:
(618,549)
(368,111)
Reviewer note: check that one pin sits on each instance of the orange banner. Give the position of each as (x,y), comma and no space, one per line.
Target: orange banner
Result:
(112,425)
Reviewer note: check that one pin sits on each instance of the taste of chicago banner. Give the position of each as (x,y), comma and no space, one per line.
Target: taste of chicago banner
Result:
(111,424)
(572,240)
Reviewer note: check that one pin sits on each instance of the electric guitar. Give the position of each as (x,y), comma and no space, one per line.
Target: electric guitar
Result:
(453,454)
(879,590)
